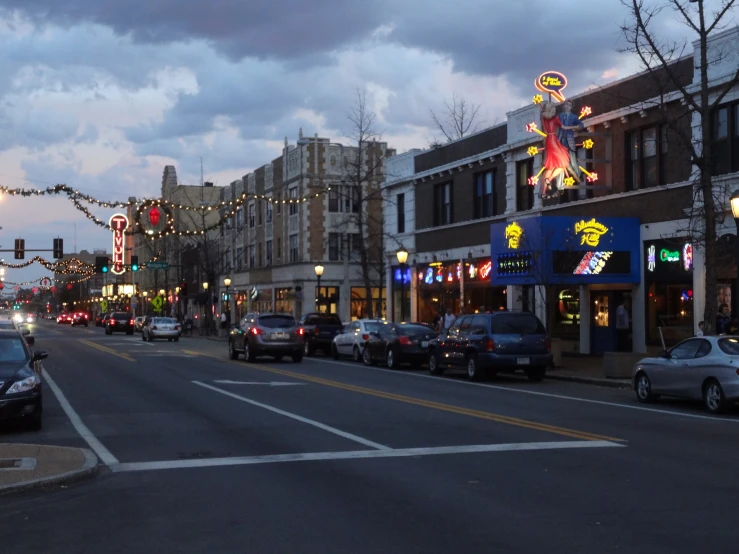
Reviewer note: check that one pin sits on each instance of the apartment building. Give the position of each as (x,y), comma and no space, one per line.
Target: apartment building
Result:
(304,210)
(481,237)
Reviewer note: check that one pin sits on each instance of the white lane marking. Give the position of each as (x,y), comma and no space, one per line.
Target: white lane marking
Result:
(103,453)
(537,393)
(267,383)
(364,454)
(296,417)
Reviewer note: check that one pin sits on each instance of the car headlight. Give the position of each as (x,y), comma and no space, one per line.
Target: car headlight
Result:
(24,385)
(18,318)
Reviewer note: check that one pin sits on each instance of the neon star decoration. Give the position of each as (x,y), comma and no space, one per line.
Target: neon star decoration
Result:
(569,181)
(538,99)
(591,177)
(532,151)
(533,128)
(588,144)
(585,111)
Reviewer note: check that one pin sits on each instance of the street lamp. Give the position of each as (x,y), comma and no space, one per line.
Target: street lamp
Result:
(734,201)
(402,255)
(227,282)
(319,271)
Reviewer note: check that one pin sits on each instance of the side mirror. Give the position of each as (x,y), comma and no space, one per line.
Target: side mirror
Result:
(664,354)
(30,341)
(40,355)
(25,332)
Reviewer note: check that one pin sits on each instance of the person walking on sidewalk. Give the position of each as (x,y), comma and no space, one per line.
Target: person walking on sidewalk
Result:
(623,326)
(449,320)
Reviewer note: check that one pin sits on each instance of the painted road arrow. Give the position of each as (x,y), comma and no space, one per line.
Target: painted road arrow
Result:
(268,383)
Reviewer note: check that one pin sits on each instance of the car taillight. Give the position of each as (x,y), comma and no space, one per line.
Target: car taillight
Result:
(316,331)
(256,331)
(131,322)
(365,337)
(549,344)
(301,331)
(176,327)
(489,345)
(87,316)
(405,341)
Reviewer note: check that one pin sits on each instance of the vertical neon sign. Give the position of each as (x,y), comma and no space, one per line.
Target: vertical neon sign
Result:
(119,223)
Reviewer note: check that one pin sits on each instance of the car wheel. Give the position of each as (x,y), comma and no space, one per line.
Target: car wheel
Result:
(390,359)
(473,372)
(232,354)
(169,340)
(643,388)
(367,357)
(309,350)
(334,352)
(248,354)
(297,357)
(177,339)
(536,374)
(357,354)
(435,367)
(713,396)
(143,337)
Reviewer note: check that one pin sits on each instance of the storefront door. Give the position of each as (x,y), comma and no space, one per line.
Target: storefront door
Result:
(603,305)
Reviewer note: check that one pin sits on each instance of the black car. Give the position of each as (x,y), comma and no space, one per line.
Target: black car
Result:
(399,343)
(275,335)
(20,380)
(491,343)
(119,322)
(320,330)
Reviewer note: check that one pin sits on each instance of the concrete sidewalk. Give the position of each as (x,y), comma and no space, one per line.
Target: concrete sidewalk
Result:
(28,466)
(585,369)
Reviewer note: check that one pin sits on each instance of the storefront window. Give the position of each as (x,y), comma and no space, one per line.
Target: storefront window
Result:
(327,300)
(284,301)
(359,308)
(566,308)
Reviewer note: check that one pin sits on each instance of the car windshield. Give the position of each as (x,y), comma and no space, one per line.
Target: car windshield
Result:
(517,324)
(372,326)
(407,330)
(120,316)
(12,350)
(325,320)
(729,346)
(277,321)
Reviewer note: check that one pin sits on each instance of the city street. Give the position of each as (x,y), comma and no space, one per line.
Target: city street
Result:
(205,454)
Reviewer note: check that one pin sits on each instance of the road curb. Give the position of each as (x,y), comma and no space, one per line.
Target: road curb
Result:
(89,470)
(590,381)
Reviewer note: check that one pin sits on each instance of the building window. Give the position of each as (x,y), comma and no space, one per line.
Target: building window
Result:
(443,204)
(351,199)
(355,246)
(400,205)
(239,258)
(268,253)
(260,260)
(279,202)
(524,191)
(484,195)
(293,200)
(343,199)
(259,212)
(334,243)
(251,216)
(279,248)
(643,158)
(725,143)
(239,218)
(268,207)
(293,248)
(252,259)
(333,199)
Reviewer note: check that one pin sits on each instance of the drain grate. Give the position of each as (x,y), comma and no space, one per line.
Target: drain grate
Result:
(7,464)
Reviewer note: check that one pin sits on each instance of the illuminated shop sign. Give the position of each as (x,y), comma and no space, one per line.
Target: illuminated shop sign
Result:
(513,234)
(406,276)
(552,82)
(591,263)
(669,256)
(668,259)
(651,258)
(519,263)
(590,231)
(687,256)
(451,273)
(119,223)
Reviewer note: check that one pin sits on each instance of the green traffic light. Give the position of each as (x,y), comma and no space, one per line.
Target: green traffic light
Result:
(134,267)
(105,269)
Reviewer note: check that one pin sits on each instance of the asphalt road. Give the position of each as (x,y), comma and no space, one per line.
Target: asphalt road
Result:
(205,454)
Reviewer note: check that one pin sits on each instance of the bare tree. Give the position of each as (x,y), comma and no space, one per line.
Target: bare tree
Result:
(457,120)
(657,56)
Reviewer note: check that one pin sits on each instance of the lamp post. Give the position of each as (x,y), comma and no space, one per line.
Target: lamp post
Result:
(207,302)
(402,255)
(734,201)
(319,271)
(227,282)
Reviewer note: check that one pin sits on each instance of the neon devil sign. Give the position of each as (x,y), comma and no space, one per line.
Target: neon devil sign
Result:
(119,223)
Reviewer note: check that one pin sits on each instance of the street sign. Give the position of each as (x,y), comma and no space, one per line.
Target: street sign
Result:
(156,303)
(104,305)
(157,265)
(133,303)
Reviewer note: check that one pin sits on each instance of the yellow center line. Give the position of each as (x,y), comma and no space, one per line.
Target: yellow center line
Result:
(573,433)
(107,350)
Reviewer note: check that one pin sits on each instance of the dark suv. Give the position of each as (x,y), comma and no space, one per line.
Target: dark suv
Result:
(119,321)
(491,343)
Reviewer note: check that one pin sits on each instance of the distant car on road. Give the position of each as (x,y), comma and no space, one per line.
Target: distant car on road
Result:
(275,335)
(700,368)
(160,328)
(399,343)
(80,318)
(64,318)
(138,323)
(119,322)
(20,382)
(100,320)
(492,343)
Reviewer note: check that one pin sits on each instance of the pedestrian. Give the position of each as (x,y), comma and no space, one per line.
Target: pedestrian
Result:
(481,310)
(223,320)
(723,320)
(623,325)
(701,329)
(449,320)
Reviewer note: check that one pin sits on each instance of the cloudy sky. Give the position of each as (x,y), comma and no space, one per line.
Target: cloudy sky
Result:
(101,95)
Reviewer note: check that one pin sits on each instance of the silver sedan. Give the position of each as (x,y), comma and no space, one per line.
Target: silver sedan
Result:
(161,328)
(705,368)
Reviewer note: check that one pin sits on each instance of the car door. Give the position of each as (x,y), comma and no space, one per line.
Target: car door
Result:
(478,333)
(386,335)
(668,380)
(449,343)
(693,372)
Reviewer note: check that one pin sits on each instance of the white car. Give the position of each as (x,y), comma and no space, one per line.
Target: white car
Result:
(352,339)
(160,328)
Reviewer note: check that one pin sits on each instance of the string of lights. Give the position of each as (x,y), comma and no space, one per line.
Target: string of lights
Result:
(72,266)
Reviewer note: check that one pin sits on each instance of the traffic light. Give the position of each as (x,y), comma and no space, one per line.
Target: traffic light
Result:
(134,263)
(101,264)
(58,248)
(20,249)
(183,288)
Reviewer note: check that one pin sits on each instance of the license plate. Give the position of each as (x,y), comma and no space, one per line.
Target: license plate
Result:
(424,344)
(523,361)
(280,336)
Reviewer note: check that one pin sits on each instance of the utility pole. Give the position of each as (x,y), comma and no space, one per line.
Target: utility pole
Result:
(202,183)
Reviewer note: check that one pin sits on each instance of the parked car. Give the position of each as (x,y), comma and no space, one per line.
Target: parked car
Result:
(275,335)
(399,343)
(20,388)
(491,343)
(320,330)
(160,328)
(352,338)
(119,321)
(700,368)
(80,318)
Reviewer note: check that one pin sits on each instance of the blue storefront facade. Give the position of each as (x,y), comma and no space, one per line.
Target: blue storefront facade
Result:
(569,270)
